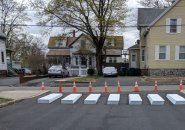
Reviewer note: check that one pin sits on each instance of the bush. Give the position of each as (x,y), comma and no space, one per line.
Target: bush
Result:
(90,72)
(134,72)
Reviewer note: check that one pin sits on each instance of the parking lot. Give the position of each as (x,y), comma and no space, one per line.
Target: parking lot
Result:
(28,115)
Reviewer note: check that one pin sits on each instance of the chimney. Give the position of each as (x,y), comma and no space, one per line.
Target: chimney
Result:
(74,33)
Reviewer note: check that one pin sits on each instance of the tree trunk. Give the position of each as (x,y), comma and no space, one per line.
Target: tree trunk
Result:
(99,61)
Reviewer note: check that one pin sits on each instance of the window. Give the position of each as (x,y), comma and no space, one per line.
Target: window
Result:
(133,58)
(182,52)
(2,57)
(76,60)
(59,43)
(162,52)
(143,55)
(90,61)
(173,25)
(115,59)
(110,60)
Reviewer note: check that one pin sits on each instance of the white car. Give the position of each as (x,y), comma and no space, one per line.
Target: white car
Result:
(58,70)
(110,71)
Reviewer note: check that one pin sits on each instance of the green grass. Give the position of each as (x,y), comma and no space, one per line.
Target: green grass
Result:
(85,79)
(4,100)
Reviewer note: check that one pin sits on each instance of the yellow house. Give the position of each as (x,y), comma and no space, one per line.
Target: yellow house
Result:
(162,40)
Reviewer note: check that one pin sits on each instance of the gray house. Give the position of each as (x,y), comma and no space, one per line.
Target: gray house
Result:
(3,62)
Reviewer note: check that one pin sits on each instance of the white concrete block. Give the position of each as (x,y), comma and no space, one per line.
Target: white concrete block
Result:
(50,98)
(71,99)
(176,99)
(135,99)
(92,99)
(113,99)
(155,99)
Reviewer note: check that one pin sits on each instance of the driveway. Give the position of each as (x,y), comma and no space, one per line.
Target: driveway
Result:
(28,115)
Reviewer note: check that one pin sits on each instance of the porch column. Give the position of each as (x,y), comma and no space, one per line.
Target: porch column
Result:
(79,64)
(87,61)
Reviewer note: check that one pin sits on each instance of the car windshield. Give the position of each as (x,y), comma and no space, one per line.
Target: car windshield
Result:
(109,68)
(56,67)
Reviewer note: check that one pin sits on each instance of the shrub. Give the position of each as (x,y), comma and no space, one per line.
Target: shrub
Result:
(90,71)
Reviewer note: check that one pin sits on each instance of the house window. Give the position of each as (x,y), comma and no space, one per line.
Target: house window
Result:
(182,52)
(2,57)
(110,60)
(83,61)
(162,52)
(59,43)
(115,59)
(76,60)
(90,61)
(133,58)
(143,55)
(173,25)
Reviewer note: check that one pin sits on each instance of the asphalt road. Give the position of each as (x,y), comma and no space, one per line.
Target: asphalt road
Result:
(28,115)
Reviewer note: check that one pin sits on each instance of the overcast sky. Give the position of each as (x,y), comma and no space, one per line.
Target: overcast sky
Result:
(130,34)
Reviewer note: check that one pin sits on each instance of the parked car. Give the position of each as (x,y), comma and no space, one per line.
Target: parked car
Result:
(110,71)
(58,70)
(122,71)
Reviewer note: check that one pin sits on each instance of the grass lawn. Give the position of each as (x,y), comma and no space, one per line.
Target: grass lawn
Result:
(85,79)
(4,100)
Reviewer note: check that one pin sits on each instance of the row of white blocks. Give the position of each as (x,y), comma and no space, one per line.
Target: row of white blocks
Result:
(134,99)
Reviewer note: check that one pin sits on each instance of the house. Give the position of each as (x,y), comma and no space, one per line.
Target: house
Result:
(162,40)
(78,53)
(3,62)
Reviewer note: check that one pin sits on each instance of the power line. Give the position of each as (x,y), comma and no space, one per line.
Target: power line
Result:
(67,26)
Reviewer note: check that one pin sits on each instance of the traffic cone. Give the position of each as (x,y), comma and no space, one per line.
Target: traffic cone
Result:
(90,87)
(136,88)
(180,87)
(119,88)
(105,88)
(42,88)
(74,87)
(60,87)
(155,87)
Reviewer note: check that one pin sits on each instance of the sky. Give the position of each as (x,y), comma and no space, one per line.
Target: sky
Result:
(130,34)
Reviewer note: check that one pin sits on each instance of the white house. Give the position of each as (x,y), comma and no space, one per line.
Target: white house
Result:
(78,53)
(3,62)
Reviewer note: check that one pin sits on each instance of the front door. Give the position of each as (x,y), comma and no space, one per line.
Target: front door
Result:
(133,60)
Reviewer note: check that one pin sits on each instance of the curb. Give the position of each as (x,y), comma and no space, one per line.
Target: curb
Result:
(20,100)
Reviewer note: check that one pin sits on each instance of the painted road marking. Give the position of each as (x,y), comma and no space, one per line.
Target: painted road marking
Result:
(50,98)
(92,99)
(135,99)
(71,99)
(176,99)
(155,99)
(113,99)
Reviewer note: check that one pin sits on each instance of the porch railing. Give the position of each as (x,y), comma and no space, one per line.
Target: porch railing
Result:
(78,71)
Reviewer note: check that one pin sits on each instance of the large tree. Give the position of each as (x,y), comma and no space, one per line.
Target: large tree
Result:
(12,14)
(95,18)
(156,3)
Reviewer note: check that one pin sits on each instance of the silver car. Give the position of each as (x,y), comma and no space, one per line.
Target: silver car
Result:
(58,70)
(110,71)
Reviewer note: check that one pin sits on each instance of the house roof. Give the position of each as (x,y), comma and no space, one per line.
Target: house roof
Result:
(58,52)
(147,15)
(114,52)
(134,47)
(52,44)
(166,11)
(2,35)
(83,52)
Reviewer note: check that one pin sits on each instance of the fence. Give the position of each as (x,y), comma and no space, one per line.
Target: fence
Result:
(78,71)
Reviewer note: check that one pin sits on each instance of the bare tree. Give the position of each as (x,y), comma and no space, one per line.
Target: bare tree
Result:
(156,3)
(12,13)
(30,51)
(95,18)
